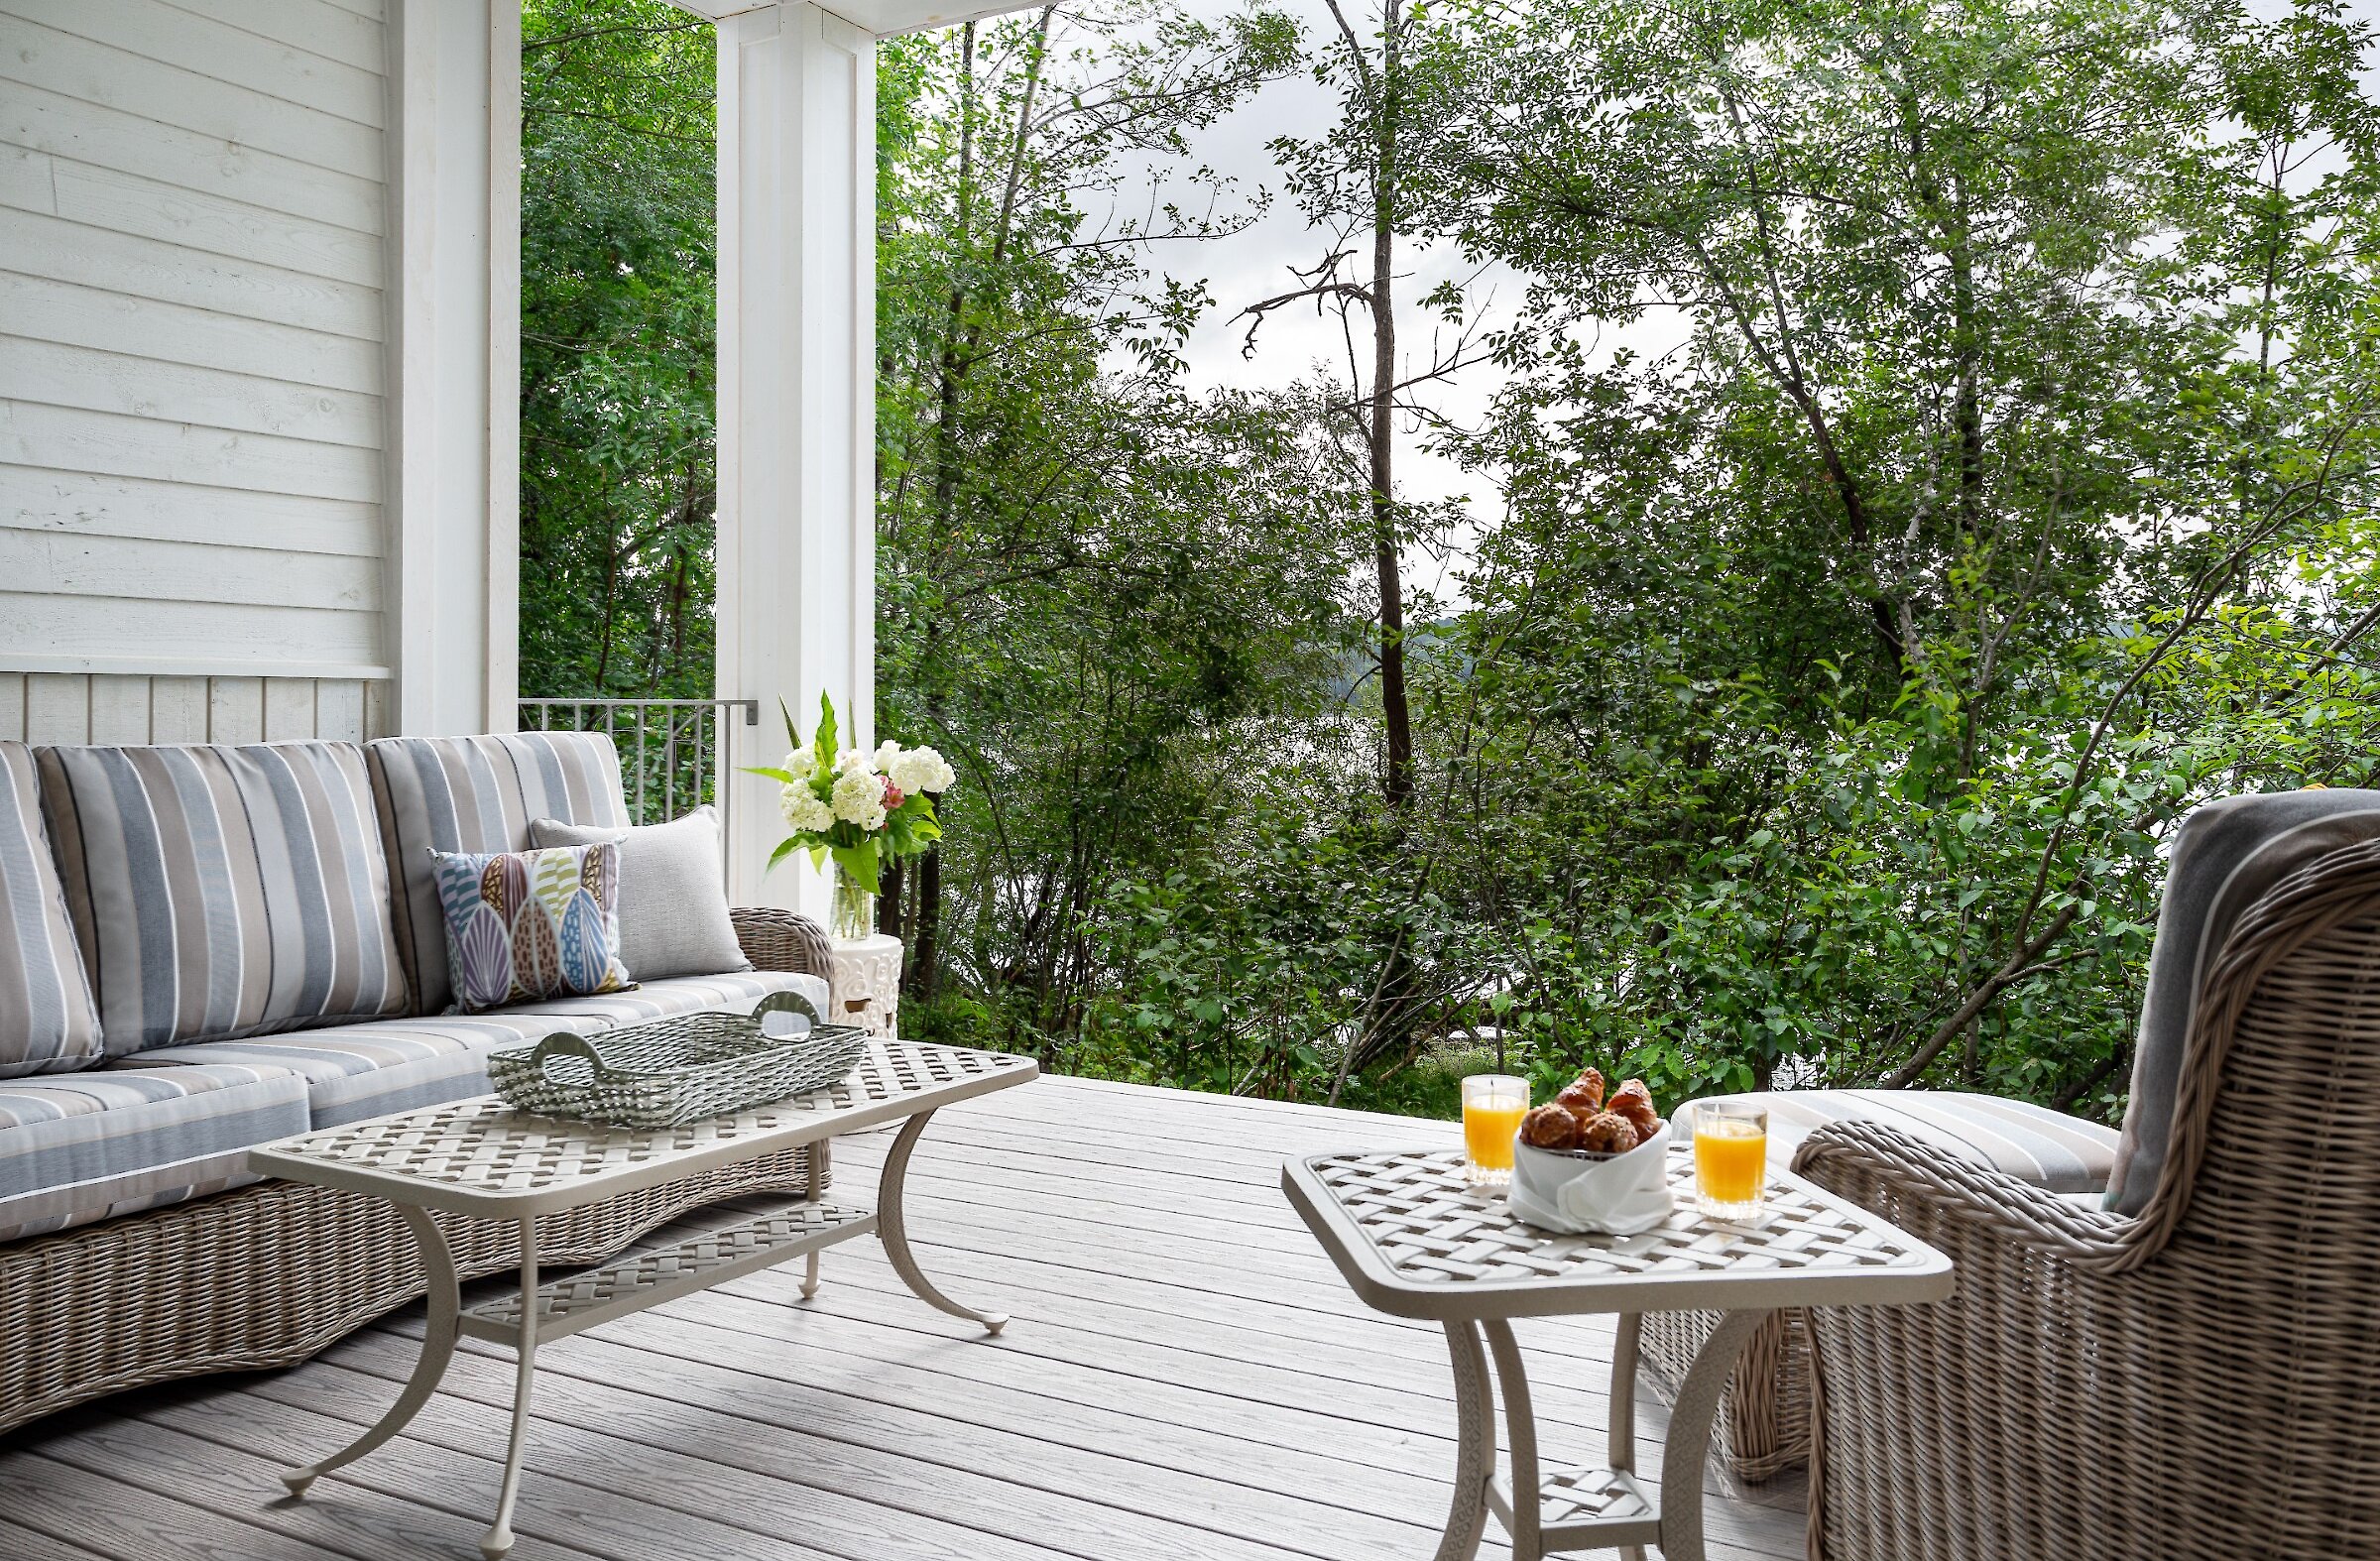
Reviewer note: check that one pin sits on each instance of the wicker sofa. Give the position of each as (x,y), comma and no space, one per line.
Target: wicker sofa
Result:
(2190,1378)
(2226,858)
(1764,1413)
(133,1245)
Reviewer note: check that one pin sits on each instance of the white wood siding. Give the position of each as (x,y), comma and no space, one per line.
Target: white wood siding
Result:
(75,707)
(193,245)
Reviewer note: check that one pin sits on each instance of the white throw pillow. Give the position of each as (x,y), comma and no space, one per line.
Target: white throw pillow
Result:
(674,917)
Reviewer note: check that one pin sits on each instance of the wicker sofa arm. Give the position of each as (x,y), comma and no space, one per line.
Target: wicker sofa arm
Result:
(783,940)
(1922,1187)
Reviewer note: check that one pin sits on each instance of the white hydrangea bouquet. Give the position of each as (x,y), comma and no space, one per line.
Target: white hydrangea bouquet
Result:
(855,808)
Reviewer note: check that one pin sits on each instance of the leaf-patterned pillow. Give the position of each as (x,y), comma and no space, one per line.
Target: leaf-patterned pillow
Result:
(526,925)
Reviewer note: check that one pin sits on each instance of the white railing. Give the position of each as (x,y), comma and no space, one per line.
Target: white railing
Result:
(672,751)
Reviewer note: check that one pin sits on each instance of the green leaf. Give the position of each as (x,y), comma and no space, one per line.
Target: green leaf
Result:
(859,862)
(826,743)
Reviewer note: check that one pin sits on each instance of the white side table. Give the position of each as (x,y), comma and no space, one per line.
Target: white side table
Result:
(865,987)
(1411,1239)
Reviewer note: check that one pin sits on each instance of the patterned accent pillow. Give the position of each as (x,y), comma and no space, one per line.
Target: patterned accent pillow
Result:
(477,793)
(524,925)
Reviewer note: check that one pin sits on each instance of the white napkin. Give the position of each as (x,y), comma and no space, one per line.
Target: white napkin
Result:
(1619,1196)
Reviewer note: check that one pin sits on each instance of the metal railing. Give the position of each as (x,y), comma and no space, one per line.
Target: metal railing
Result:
(672,751)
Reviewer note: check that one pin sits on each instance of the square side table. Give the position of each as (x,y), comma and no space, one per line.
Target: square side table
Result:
(1412,1240)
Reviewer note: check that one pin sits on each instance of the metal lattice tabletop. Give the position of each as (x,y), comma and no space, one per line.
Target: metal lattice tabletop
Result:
(1413,1240)
(481,1156)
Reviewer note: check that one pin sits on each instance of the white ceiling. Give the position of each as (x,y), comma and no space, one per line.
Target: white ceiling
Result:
(881,17)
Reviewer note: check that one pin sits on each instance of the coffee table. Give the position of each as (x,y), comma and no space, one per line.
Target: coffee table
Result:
(482,1158)
(1413,1240)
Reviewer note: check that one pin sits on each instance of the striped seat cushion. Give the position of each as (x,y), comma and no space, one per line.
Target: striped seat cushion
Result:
(223,892)
(2033,1144)
(477,794)
(85,1148)
(390,1065)
(48,1023)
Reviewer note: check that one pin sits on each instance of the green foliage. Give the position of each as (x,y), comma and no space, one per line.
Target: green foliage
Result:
(1832,678)
(617,472)
(1099,592)
(1937,448)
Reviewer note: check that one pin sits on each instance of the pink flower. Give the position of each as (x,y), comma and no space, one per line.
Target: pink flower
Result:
(894,796)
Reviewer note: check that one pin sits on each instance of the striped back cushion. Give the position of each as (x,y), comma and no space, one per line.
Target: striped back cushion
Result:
(477,794)
(223,892)
(48,1020)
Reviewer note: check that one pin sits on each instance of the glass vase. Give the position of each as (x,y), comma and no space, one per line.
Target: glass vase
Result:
(855,908)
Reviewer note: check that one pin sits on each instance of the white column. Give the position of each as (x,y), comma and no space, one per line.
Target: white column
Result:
(797,401)
(452,516)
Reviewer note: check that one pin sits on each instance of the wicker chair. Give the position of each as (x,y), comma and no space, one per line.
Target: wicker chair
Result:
(267,1274)
(2201,1380)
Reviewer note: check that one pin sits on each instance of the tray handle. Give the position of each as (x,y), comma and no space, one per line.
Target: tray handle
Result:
(563,1043)
(789,1003)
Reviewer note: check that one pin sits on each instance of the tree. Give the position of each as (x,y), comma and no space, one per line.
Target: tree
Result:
(1043,480)
(618,484)
(1923,570)
(1355,183)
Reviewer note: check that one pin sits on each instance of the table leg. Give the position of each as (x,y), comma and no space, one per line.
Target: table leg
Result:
(1620,1443)
(1520,1440)
(892,1228)
(524,1370)
(817,1191)
(1689,1442)
(437,1349)
(1474,1445)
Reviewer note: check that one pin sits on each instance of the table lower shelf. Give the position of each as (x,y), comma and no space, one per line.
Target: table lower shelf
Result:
(1585,1509)
(653,1278)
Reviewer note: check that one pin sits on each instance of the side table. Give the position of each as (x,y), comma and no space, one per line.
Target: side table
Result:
(864,989)
(1413,1240)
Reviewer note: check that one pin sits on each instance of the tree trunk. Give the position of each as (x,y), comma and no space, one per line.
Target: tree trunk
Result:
(1396,716)
(925,912)
(1388,1020)
(926,917)
(888,899)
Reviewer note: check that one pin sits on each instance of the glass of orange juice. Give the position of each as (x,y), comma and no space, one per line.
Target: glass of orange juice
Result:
(1492,1106)
(1730,1158)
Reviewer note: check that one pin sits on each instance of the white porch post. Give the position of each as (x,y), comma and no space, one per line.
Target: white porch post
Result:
(454,500)
(796,540)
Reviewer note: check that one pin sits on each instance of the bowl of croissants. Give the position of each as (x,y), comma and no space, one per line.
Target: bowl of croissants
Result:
(1588,1161)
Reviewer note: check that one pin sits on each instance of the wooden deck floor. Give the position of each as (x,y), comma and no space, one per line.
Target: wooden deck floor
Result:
(1186,1380)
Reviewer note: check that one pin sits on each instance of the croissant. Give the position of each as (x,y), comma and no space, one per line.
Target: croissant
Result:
(1550,1128)
(1635,1102)
(1584,1095)
(1608,1133)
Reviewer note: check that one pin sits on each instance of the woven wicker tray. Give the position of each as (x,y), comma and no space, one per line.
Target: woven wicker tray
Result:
(676,1070)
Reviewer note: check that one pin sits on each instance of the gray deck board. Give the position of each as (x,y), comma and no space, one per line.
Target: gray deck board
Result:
(1185,1379)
